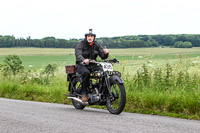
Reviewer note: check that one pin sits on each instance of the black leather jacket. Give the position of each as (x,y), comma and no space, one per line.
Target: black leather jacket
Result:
(84,51)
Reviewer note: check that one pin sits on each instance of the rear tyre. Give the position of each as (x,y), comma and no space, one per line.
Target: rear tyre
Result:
(77,85)
(116,103)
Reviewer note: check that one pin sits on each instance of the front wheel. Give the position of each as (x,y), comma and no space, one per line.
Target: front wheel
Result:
(116,102)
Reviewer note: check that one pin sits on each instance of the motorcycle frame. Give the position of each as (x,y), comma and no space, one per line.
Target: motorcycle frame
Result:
(108,81)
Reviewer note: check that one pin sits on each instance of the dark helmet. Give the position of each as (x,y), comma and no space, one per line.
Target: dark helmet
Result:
(90,33)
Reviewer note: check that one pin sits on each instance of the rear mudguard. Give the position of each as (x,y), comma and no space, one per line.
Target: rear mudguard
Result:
(116,79)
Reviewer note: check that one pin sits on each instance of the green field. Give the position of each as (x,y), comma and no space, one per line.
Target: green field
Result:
(162,81)
(40,57)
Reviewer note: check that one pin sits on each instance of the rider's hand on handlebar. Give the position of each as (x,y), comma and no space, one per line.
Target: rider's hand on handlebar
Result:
(86,61)
(105,50)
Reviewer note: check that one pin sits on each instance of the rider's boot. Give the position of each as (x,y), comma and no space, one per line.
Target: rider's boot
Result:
(84,98)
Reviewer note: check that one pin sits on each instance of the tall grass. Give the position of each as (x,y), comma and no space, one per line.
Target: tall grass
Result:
(172,90)
(35,86)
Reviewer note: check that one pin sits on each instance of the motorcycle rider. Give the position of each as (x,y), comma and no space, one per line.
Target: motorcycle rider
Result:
(87,50)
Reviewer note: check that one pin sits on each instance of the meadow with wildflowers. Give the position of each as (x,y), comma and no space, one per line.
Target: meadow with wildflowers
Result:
(161,81)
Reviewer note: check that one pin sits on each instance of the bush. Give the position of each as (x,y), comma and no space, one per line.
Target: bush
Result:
(12,64)
(50,69)
(181,44)
(44,77)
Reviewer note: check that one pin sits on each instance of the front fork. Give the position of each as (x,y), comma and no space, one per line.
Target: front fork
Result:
(108,83)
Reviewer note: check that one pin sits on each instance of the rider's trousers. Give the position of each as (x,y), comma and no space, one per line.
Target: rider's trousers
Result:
(85,74)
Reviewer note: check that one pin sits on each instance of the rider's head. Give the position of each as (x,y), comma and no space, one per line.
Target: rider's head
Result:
(90,37)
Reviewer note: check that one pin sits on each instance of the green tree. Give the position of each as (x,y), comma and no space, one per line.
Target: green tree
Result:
(152,43)
(181,44)
(13,63)
(187,45)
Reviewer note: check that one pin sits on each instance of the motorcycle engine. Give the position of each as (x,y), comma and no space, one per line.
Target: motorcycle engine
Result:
(94,97)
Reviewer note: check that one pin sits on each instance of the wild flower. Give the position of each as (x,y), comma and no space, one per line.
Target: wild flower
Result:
(149,61)
(30,66)
(150,65)
(140,57)
(195,62)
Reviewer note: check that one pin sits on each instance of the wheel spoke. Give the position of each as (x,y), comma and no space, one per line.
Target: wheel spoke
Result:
(77,85)
(115,92)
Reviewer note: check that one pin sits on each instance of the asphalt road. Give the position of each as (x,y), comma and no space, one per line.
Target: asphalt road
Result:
(18,116)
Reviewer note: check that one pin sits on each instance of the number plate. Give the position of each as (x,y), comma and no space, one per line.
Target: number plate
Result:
(107,66)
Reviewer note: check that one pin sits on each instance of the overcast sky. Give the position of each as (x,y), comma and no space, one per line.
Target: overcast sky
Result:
(72,18)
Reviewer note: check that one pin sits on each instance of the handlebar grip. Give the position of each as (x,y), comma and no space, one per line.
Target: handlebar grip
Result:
(90,61)
(82,63)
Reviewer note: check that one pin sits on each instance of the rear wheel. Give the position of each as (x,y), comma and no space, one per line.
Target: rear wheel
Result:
(77,86)
(116,103)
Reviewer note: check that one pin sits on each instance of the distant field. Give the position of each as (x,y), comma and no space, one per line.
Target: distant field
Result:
(118,52)
(39,57)
(35,51)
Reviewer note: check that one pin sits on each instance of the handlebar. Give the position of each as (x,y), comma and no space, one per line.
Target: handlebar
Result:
(91,61)
(106,60)
(112,61)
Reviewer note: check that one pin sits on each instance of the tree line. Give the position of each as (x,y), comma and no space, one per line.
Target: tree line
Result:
(177,41)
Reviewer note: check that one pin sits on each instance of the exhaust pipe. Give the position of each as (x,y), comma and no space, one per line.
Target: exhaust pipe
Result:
(78,100)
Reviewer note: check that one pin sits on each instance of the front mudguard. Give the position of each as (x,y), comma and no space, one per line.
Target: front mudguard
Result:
(114,79)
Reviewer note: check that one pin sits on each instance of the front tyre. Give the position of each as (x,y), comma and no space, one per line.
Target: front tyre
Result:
(77,85)
(116,103)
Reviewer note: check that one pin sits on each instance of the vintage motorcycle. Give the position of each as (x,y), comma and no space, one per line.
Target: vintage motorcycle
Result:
(106,86)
